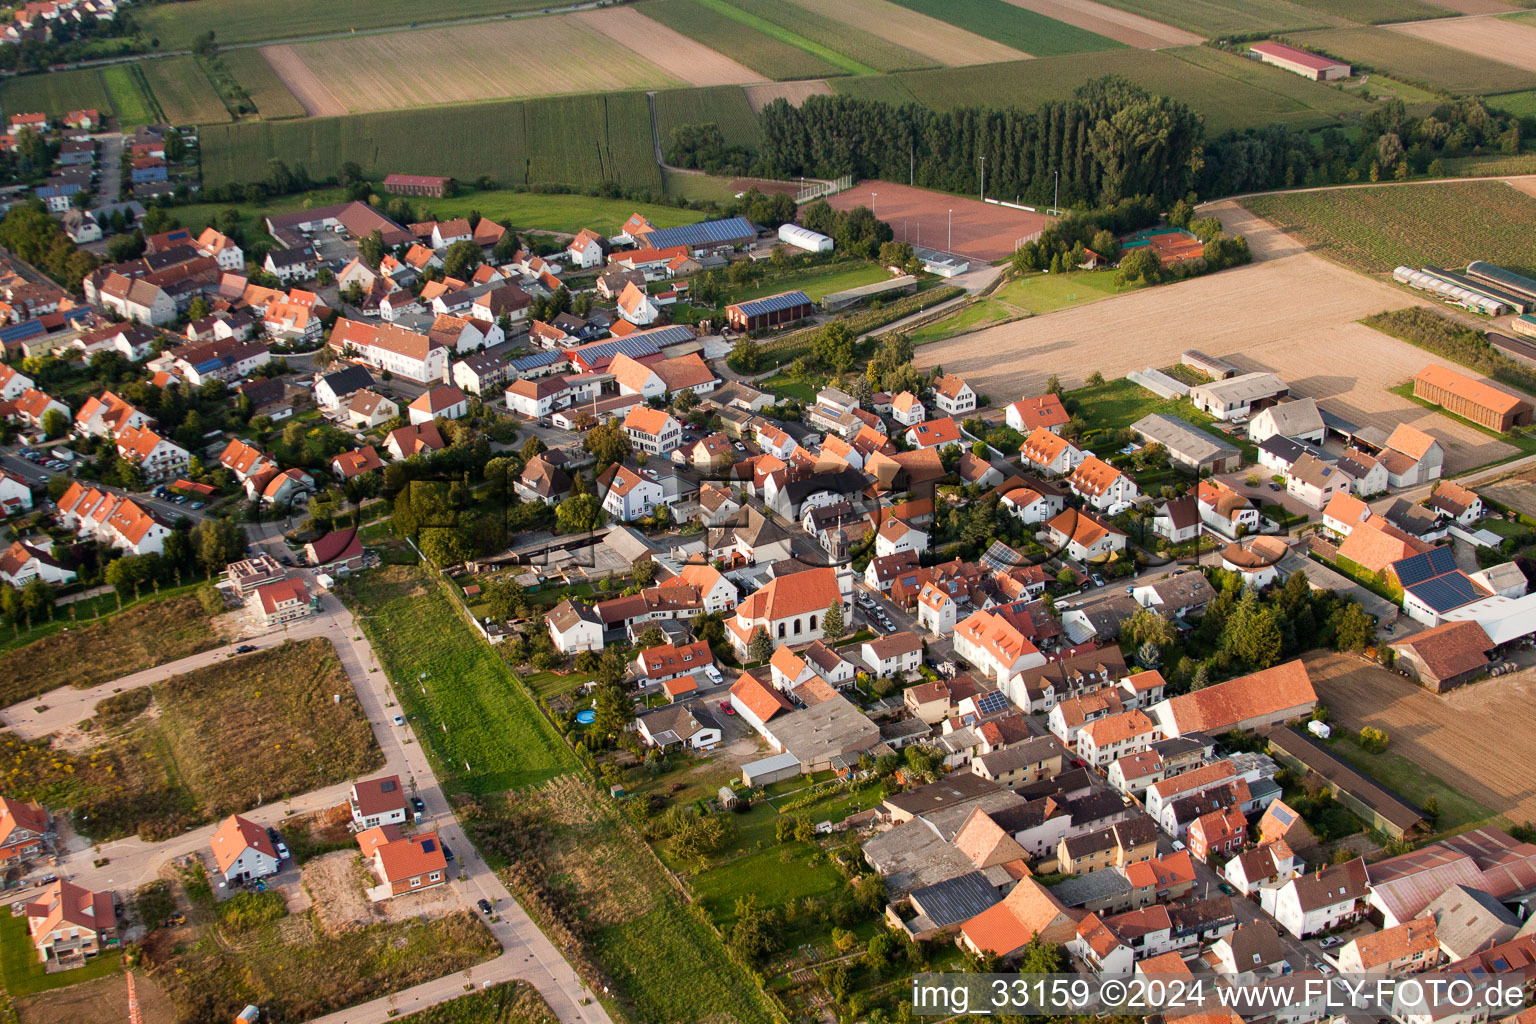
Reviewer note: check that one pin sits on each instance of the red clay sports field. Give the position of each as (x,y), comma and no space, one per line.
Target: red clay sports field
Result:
(981,231)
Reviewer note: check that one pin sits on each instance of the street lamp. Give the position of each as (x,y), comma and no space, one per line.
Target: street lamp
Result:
(872,197)
(950,245)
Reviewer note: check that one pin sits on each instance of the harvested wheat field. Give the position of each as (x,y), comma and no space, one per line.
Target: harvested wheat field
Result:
(1510,42)
(1292,314)
(1121,26)
(312,94)
(1518,491)
(670,50)
(465,63)
(930,37)
(1469,739)
(759,96)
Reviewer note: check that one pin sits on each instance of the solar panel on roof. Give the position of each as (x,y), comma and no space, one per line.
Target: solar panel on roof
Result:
(774,303)
(1418,568)
(731,229)
(992,703)
(427,846)
(1443,593)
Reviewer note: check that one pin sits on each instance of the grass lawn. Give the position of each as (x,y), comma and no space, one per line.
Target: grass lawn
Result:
(801,390)
(979,314)
(1044,293)
(483,733)
(147,634)
(777,876)
(1411,782)
(817,281)
(548,684)
(23,973)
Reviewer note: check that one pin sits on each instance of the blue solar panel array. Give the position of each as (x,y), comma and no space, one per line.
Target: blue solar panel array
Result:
(533,362)
(597,351)
(1418,568)
(1442,593)
(672,334)
(774,303)
(992,702)
(734,230)
(22,331)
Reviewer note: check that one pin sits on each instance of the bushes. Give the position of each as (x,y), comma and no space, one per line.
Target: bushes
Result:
(1433,330)
(246,910)
(792,346)
(1374,740)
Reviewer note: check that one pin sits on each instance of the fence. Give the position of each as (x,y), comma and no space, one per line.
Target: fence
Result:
(818,189)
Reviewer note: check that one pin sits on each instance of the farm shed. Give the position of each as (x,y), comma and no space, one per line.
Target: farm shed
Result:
(1187,445)
(1157,382)
(804,238)
(1212,367)
(1449,291)
(1514,300)
(705,236)
(770,770)
(416,185)
(1308,65)
(770,311)
(1525,325)
(1238,396)
(1471,399)
(1377,805)
(1505,279)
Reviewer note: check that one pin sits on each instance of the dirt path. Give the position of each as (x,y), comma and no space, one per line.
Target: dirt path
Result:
(759,96)
(1510,42)
(317,100)
(930,37)
(669,50)
(102,1001)
(1448,736)
(1121,26)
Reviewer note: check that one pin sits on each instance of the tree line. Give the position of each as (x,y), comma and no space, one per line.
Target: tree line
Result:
(1112,139)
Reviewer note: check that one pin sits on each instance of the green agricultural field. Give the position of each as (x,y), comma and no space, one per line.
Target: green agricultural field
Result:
(177,26)
(512,1002)
(1013,26)
(125,85)
(574,140)
(1230,91)
(723,105)
(775,30)
(1418,60)
(482,731)
(261,84)
(1044,293)
(863,47)
(183,91)
(1376,229)
(698,187)
(1219,18)
(1379,12)
(771,55)
(979,314)
(1520,104)
(56,93)
(837,278)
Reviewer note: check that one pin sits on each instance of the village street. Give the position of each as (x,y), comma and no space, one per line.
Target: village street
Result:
(128,863)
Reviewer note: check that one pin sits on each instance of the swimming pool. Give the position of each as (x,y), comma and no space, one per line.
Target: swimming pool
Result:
(586,717)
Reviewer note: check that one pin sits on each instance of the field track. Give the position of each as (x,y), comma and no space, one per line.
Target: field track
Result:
(930,37)
(1290,312)
(670,50)
(1469,739)
(313,96)
(1121,26)
(1495,38)
(982,231)
(759,96)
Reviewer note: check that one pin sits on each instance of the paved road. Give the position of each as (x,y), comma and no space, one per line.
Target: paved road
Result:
(527,953)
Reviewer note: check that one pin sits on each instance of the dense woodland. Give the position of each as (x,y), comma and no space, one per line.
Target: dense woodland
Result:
(1111,140)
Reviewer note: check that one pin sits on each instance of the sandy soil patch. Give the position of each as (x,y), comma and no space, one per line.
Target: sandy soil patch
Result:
(1291,314)
(103,1001)
(759,96)
(930,37)
(465,63)
(1526,185)
(1495,38)
(333,883)
(312,94)
(1448,736)
(1518,491)
(670,50)
(1121,26)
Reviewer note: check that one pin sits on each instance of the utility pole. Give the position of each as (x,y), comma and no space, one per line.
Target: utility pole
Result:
(951,243)
(1056,198)
(912,163)
(983,177)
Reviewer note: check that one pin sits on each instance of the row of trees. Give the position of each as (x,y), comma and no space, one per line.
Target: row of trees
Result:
(30,234)
(1110,140)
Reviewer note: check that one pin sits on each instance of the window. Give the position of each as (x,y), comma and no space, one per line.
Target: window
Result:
(415,882)
(781,631)
(813,622)
(797,627)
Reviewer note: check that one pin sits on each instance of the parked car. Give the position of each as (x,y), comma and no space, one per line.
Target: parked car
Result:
(447,854)
(282,850)
(1274,486)
(1098,580)
(245,648)
(1331,941)
(418,805)
(725,706)
(399,720)
(485,906)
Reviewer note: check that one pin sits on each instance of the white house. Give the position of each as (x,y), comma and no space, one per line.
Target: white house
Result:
(242,850)
(1029,505)
(1084,537)
(653,431)
(894,655)
(1050,453)
(574,627)
(896,536)
(376,802)
(1317,902)
(953,395)
(444,401)
(1300,420)
(21,563)
(637,306)
(630,495)
(908,410)
(403,353)
(1102,485)
(995,646)
(586,249)
(158,458)
(790,608)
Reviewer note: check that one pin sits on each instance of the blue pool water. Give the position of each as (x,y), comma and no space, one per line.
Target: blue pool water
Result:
(586,717)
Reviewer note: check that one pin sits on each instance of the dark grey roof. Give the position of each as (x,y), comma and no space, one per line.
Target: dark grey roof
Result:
(1081,890)
(734,230)
(955,899)
(289,257)
(1424,566)
(774,303)
(344,382)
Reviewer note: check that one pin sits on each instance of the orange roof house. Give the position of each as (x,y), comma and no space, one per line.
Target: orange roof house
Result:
(1030,911)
